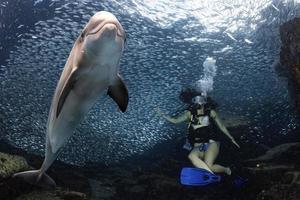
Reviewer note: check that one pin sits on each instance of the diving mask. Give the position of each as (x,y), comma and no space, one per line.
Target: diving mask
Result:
(199,100)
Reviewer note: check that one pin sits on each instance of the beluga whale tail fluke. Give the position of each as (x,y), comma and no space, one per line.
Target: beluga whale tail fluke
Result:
(36,177)
(92,68)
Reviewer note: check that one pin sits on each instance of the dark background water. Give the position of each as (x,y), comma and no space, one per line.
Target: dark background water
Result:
(164,52)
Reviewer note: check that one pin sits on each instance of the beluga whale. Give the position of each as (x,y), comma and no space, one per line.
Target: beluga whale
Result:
(91,69)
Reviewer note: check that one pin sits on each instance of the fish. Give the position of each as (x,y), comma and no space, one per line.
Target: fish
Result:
(248,41)
(91,68)
(231,37)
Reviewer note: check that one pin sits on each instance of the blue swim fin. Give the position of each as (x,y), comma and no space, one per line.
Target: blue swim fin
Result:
(197,177)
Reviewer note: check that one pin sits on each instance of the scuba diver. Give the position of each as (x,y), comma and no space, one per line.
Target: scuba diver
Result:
(204,141)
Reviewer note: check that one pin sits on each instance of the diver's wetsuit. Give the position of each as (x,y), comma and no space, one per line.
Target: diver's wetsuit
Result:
(204,134)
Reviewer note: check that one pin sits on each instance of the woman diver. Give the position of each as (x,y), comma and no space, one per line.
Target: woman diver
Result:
(204,141)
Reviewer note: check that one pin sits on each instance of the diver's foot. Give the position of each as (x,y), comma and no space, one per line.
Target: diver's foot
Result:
(228,171)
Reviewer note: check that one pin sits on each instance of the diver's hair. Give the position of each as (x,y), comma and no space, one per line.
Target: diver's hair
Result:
(188,93)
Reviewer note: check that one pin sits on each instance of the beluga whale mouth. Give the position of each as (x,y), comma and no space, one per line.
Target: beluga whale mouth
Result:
(108,25)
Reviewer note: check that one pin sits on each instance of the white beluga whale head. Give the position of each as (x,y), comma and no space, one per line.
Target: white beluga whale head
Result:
(102,36)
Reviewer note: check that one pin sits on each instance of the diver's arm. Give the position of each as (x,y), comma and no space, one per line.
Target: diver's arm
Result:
(176,120)
(221,126)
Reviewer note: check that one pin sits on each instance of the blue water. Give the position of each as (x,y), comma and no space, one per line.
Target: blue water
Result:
(166,46)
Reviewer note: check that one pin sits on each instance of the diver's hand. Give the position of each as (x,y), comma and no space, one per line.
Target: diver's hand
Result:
(235,143)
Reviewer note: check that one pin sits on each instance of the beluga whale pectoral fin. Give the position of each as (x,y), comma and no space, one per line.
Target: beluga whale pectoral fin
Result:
(68,86)
(119,93)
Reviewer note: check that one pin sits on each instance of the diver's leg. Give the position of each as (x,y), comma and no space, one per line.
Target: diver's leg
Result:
(210,156)
(194,157)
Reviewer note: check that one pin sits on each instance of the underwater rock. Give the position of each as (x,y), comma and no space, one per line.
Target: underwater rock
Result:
(137,189)
(53,195)
(37,195)
(275,161)
(10,164)
(72,195)
(149,186)
(290,49)
(292,177)
(72,181)
(280,191)
(100,190)
(289,55)
(276,173)
(161,182)
(284,153)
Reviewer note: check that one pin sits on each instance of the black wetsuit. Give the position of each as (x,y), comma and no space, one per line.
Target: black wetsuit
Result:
(202,134)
